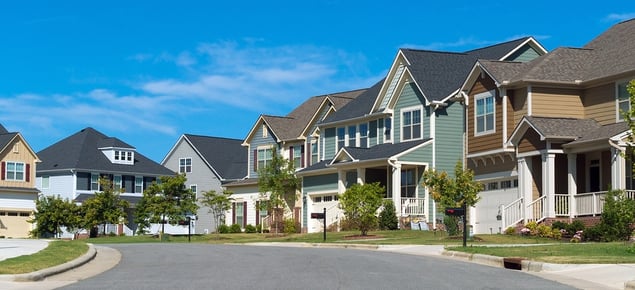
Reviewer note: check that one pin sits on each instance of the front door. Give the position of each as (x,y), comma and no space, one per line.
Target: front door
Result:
(594,176)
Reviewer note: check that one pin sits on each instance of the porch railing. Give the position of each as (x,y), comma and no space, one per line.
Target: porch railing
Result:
(562,205)
(590,203)
(412,206)
(512,213)
(538,209)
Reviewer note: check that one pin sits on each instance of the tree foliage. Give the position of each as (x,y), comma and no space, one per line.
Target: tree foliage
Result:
(360,204)
(167,201)
(105,207)
(52,213)
(388,217)
(218,203)
(453,192)
(618,216)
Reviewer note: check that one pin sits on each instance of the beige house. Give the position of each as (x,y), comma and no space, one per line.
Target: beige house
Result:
(17,185)
(546,137)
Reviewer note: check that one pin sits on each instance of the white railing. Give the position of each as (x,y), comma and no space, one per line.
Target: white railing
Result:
(590,203)
(630,193)
(512,213)
(333,215)
(538,209)
(562,205)
(413,206)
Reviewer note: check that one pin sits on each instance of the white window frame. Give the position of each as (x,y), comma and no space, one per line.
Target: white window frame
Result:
(388,130)
(412,109)
(117,182)
(484,96)
(137,185)
(363,136)
(183,166)
(618,101)
(265,132)
(194,189)
(315,154)
(297,156)
(94,184)
(15,171)
(351,141)
(264,160)
(337,138)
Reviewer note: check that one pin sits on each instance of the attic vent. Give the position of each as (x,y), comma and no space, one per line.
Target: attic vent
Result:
(16,148)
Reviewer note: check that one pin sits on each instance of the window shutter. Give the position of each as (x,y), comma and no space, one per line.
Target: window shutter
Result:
(233,213)
(27,174)
(290,152)
(257,212)
(244,214)
(255,160)
(302,155)
(3,170)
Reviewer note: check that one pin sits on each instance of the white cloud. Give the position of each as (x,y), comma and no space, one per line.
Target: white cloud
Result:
(620,16)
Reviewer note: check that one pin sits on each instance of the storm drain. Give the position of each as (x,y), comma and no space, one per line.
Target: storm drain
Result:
(512,263)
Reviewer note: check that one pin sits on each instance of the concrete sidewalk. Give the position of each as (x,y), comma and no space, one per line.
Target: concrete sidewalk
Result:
(10,248)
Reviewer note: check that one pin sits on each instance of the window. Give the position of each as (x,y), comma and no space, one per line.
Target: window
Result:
(123,157)
(138,184)
(327,198)
(264,157)
(15,171)
(94,181)
(185,165)
(45,182)
(341,138)
(411,124)
(194,189)
(388,127)
(408,183)
(484,112)
(352,135)
(314,151)
(117,182)
(506,184)
(492,186)
(363,135)
(317,199)
(297,156)
(623,101)
(239,213)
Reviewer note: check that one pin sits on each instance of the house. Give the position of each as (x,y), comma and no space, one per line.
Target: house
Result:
(547,137)
(208,163)
(17,184)
(294,136)
(409,122)
(72,167)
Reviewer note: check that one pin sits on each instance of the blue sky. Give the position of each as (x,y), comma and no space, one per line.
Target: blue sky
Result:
(148,71)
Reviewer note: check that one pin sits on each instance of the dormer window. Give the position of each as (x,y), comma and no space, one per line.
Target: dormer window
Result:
(122,156)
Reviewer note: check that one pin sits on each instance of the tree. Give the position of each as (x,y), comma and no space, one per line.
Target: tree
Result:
(52,213)
(218,203)
(167,201)
(277,180)
(388,217)
(105,207)
(360,204)
(460,191)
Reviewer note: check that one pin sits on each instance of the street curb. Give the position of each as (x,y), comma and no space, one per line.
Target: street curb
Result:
(41,274)
(526,265)
(345,246)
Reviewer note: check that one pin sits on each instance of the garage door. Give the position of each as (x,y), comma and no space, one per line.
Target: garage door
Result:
(14,224)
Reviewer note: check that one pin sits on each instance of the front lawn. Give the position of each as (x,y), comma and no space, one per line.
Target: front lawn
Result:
(56,253)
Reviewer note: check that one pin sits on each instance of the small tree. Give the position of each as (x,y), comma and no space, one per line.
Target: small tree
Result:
(360,204)
(218,203)
(166,202)
(617,216)
(105,207)
(277,180)
(52,213)
(388,217)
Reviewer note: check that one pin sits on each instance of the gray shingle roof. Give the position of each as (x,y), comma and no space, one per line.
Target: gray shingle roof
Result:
(243,182)
(568,128)
(360,106)
(80,151)
(497,51)
(602,133)
(227,156)
(3,130)
(6,138)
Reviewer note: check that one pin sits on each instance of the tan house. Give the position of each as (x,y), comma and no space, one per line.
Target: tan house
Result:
(17,185)
(546,137)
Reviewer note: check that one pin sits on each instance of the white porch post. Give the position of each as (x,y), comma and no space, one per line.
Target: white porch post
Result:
(524,186)
(361,175)
(341,181)
(618,169)
(396,187)
(549,182)
(572,183)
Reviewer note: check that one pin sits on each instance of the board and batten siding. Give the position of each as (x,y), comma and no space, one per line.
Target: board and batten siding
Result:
(410,97)
(599,103)
(23,155)
(491,141)
(319,183)
(450,124)
(558,103)
(329,143)
(259,141)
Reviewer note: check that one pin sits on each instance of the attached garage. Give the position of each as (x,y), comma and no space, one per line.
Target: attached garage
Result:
(15,212)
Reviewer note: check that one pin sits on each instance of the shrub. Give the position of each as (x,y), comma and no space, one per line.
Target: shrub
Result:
(544,231)
(559,225)
(575,227)
(289,226)
(250,229)
(532,226)
(510,231)
(222,229)
(617,216)
(388,217)
(593,234)
(235,228)
(556,234)
(451,225)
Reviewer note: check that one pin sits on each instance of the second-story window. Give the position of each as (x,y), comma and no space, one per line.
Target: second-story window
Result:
(296,156)
(264,157)
(314,151)
(138,184)
(363,135)
(352,135)
(117,182)
(623,101)
(388,128)
(94,181)
(411,124)
(185,165)
(15,171)
(341,138)
(484,113)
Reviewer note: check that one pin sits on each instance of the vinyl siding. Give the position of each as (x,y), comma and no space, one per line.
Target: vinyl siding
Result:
(256,142)
(490,141)
(518,101)
(560,103)
(531,142)
(524,54)
(61,185)
(329,143)
(449,136)
(599,103)
(23,201)
(318,183)
(409,97)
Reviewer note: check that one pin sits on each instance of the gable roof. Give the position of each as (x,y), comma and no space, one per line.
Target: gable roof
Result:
(3,130)
(81,151)
(225,156)
(602,133)
(6,138)
(359,106)
(500,50)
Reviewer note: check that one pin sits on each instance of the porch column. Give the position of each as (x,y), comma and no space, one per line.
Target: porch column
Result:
(572,183)
(396,187)
(524,186)
(618,169)
(361,175)
(549,182)
(341,181)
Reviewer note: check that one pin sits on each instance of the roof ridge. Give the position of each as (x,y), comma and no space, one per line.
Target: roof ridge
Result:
(499,43)
(434,51)
(215,137)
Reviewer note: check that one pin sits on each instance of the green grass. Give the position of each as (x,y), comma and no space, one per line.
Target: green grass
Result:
(56,253)
(565,253)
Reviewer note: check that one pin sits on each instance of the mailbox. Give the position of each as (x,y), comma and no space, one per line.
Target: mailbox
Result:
(454,211)
(317,215)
